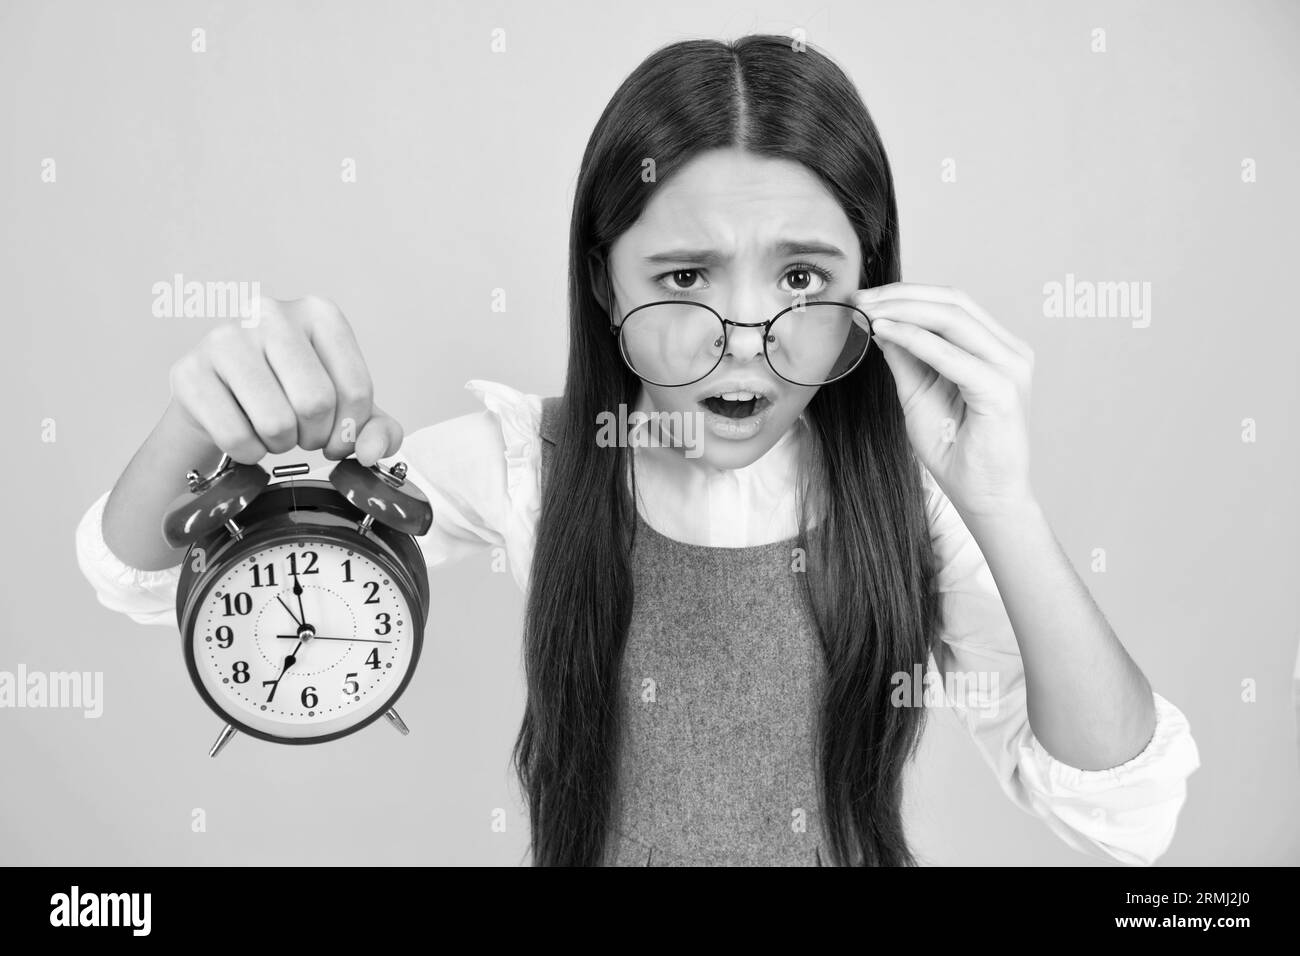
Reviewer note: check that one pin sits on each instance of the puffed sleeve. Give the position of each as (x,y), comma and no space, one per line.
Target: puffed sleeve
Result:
(147,597)
(481,474)
(479,471)
(1126,813)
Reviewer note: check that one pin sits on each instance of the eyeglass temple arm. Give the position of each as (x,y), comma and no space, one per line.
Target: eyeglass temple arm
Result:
(608,288)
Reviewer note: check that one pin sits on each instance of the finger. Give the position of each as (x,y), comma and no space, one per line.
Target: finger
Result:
(250,379)
(911,376)
(341,356)
(975,378)
(935,293)
(209,402)
(305,383)
(950,321)
(380,438)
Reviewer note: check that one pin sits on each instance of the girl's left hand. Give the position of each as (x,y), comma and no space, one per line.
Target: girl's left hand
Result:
(963,381)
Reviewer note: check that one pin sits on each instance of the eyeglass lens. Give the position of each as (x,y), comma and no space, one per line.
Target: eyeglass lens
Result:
(676,343)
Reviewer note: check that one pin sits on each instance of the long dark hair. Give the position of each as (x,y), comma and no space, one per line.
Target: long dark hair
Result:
(869,580)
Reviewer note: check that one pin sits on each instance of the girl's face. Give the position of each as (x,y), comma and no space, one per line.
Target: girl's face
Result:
(744,234)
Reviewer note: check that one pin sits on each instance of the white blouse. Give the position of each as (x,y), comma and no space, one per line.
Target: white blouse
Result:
(481,474)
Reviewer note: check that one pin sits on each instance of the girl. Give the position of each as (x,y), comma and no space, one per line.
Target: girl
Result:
(723,636)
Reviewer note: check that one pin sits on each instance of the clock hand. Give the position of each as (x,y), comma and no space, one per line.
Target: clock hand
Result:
(290,610)
(297,589)
(288,662)
(317,637)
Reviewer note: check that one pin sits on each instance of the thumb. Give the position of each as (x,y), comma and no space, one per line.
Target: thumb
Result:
(380,437)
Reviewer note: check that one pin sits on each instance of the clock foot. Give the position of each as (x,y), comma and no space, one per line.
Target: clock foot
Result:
(396,721)
(226,733)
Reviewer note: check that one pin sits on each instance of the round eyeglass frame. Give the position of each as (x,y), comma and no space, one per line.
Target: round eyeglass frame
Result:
(767,325)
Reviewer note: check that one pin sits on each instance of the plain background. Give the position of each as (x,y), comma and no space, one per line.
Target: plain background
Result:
(1115,166)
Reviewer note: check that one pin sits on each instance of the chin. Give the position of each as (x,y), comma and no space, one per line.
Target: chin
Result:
(732,453)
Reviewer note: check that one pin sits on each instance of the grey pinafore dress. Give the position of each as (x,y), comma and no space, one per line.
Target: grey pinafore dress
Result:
(720,682)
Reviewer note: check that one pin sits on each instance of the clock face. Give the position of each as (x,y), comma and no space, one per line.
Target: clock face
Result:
(303,639)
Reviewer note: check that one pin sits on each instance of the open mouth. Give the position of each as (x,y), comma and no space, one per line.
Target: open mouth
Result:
(737,404)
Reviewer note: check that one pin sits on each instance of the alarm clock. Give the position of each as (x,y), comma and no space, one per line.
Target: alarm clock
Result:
(301,603)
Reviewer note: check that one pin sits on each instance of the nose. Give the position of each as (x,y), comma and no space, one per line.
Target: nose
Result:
(745,343)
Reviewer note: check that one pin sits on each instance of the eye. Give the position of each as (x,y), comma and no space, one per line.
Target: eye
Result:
(807,278)
(679,281)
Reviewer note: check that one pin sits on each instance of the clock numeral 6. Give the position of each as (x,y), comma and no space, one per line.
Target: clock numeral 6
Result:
(309,697)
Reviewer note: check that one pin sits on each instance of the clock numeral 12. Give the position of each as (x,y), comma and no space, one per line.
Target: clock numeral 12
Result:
(311,564)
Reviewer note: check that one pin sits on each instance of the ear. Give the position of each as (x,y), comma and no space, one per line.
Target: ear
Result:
(599,285)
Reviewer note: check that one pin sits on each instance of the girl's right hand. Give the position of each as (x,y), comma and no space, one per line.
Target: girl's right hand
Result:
(295,379)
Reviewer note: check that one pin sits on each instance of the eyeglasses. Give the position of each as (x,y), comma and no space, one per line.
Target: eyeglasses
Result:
(675,343)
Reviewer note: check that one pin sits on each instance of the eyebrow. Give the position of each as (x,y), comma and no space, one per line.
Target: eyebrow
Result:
(785,247)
